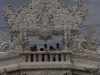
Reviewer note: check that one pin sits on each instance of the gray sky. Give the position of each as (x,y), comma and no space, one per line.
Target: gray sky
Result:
(93,14)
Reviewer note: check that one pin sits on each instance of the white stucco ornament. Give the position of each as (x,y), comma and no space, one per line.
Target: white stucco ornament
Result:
(47,18)
(44,18)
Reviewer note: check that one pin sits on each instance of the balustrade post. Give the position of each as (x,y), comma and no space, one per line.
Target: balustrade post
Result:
(39,57)
(30,58)
(51,57)
(68,57)
(57,57)
(24,58)
(62,57)
(34,57)
(45,57)
(27,58)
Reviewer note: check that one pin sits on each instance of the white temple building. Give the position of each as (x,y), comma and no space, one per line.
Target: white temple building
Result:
(45,19)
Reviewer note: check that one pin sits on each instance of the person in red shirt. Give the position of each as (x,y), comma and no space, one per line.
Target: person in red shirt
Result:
(35,48)
(31,49)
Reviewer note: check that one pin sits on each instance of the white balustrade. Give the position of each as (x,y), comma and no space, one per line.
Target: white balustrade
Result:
(42,56)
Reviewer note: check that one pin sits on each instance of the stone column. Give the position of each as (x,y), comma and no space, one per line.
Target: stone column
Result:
(45,57)
(62,57)
(57,57)
(51,57)
(68,57)
(34,58)
(39,57)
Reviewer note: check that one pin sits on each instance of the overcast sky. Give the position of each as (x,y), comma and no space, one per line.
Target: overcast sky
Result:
(92,5)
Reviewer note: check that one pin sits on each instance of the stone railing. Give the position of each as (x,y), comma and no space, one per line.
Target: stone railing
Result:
(42,56)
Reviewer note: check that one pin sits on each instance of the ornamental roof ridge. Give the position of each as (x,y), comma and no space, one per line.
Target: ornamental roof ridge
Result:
(44,23)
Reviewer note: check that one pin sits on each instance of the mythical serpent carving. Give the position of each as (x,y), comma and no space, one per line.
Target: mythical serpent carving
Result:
(90,41)
(5,44)
(84,44)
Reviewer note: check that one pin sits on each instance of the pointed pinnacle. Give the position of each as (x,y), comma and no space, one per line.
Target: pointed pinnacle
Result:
(8,0)
(80,2)
(62,2)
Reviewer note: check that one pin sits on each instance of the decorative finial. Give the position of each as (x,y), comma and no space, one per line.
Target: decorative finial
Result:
(22,7)
(58,1)
(80,3)
(27,4)
(66,6)
(8,0)
(9,5)
(30,1)
(62,4)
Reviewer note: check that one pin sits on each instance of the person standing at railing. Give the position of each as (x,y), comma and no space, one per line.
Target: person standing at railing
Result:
(47,50)
(51,48)
(36,49)
(57,47)
(33,49)
(46,47)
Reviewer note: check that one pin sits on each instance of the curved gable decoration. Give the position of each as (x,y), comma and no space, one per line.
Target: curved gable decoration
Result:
(44,18)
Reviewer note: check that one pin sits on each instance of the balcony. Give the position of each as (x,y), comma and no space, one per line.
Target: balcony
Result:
(36,60)
(46,60)
(43,56)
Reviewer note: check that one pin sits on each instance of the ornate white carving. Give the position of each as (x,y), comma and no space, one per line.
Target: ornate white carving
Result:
(21,41)
(90,41)
(48,18)
(94,70)
(44,18)
(4,73)
(5,44)
(92,37)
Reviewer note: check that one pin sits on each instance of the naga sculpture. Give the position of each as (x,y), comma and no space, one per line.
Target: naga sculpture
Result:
(5,44)
(90,41)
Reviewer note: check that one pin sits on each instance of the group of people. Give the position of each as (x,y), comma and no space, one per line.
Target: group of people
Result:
(51,48)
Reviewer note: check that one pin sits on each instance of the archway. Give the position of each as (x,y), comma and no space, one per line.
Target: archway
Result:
(40,43)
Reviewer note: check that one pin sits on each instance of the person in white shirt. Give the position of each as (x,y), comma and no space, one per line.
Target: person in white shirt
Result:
(45,47)
(57,47)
